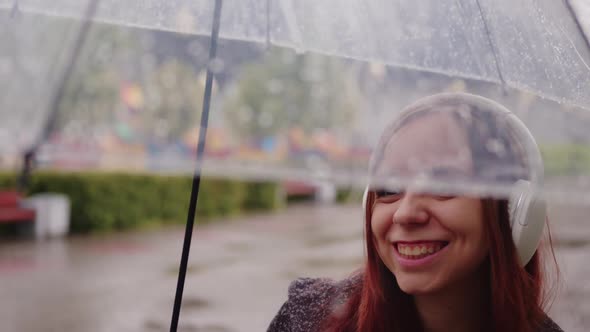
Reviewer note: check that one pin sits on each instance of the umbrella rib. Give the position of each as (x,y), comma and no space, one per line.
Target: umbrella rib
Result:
(15,9)
(67,73)
(268,24)
(58,93)
(287,8)
(467,39)
(579,27)
(490,41)
(575,48)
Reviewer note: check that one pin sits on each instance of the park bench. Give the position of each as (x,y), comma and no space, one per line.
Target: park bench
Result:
(298,188)
(11,210)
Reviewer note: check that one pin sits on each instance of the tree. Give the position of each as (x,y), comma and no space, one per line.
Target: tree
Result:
(92,93)
(286,90)
(173,100)
(114,57)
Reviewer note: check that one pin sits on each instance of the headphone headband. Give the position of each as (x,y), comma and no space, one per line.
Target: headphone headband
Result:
(520,135)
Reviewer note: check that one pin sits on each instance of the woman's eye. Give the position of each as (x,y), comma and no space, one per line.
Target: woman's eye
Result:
(442,197)
(387,194)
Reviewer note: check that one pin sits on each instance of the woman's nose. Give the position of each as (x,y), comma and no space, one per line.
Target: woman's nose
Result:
(410,210)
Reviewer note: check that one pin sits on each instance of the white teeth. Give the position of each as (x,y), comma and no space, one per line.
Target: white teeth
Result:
(418,251)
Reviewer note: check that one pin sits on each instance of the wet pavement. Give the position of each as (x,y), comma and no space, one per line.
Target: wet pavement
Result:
(238,274)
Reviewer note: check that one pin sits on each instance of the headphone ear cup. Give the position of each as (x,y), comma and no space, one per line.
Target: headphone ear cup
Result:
(527,212)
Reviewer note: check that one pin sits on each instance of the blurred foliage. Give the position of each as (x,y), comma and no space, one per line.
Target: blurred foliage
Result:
(566,159)
(116,201)
(348,195)
(94,84)
(173,100)
(284,90)
(168,96)
(262,196)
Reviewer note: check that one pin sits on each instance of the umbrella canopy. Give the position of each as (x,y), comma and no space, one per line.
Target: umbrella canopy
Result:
(145,59)
(532,45)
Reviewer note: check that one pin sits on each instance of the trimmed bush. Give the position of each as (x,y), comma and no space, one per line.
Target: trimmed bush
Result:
(264,196)
(566,159)
(348,195)
(117,201)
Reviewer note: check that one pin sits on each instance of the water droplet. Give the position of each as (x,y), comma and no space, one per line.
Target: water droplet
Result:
(216,65)
(495,146)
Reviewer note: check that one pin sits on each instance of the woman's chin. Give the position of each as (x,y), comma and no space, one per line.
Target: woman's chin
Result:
(414,290)
(417,287)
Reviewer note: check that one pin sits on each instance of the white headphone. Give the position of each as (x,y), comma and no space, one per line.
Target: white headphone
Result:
(527,210)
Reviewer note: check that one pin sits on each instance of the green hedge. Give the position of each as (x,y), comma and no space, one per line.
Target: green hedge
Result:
(117,201)
(348,195)
(566,159)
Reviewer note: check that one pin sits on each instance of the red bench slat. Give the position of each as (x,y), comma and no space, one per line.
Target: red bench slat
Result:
(298,188)
(10,198)
(10,209)
(16,214)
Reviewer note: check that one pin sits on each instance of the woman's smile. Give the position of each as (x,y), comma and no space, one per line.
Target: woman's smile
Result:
(419,253)
(420,249)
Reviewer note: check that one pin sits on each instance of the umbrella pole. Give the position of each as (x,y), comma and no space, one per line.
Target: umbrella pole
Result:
(197,175)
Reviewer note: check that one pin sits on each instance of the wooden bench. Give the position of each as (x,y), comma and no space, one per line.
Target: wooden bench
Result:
(11,210)
(298,188)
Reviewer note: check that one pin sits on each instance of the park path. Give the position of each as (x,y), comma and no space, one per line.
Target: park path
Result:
(238,275)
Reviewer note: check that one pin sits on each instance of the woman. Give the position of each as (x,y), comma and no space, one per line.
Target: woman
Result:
(441,260)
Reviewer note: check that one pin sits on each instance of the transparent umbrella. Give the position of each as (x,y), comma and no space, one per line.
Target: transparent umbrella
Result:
(301,89)
(537,47)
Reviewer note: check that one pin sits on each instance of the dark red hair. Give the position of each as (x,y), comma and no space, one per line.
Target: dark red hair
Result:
(515,294)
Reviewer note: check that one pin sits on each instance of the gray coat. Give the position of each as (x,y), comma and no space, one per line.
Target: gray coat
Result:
(312,300)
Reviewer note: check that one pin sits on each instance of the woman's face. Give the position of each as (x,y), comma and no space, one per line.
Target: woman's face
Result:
(429,242)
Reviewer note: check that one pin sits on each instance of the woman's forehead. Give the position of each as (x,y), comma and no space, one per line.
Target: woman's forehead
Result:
(429,142)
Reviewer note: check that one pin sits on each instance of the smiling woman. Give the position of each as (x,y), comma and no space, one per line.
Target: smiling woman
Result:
(441,259)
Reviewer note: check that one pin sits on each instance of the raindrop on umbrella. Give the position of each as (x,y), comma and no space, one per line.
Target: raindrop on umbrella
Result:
(216,65)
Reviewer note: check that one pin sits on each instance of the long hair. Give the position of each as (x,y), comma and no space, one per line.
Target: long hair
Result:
(515,294)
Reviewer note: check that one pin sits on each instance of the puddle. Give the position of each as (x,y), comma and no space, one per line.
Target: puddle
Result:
(194,303)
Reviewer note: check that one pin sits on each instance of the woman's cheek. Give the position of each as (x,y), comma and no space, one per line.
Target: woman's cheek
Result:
(378,221)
